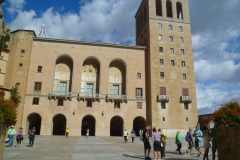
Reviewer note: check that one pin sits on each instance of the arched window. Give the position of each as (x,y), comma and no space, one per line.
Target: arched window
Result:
(169,8)
(159,7)
(179,10)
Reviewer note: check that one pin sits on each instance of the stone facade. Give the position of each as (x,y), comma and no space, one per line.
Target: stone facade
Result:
(107,87)
(173,56)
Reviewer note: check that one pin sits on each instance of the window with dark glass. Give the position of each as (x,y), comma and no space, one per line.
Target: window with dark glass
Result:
(37,86)
(35,101)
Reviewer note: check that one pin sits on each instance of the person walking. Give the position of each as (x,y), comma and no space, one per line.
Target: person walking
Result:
(19,137)
(156,137)
(31,137)
(67,132)
(11,132)
(190,142)
(146,142)
(213,134)
(133,134)
(163,141)
(198,134)
(178,141)
(206,143)
(88,131)
(125,136)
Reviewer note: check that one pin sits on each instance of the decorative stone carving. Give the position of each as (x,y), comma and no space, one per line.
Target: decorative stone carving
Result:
(115,79)
(90,73)
(62,75)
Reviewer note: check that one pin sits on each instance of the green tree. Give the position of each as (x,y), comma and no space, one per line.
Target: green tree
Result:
(15,95)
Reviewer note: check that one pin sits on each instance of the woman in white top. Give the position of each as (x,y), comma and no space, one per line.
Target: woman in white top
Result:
(125,134)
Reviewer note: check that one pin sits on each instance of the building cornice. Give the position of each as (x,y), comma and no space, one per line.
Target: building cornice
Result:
(88,43)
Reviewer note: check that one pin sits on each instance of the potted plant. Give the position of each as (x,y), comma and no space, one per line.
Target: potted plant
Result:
(227,120)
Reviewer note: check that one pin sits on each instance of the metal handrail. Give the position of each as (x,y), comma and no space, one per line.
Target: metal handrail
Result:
(117,96)
(60,93)
(89,95)
(186,98)
(163,97)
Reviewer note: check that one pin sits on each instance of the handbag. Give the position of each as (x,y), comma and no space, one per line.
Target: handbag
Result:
(161,144)
(6,140)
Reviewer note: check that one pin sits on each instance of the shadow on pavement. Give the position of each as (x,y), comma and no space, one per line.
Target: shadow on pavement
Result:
(137,156)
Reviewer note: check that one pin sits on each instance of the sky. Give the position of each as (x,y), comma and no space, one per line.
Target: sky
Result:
(215,29)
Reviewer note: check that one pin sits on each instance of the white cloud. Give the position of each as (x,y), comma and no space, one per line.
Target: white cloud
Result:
(15,6)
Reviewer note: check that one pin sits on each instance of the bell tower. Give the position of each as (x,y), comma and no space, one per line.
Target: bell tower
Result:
(164,27)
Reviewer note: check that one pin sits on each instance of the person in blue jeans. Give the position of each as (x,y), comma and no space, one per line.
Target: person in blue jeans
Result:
(198,134)
(133,135)
(11,132)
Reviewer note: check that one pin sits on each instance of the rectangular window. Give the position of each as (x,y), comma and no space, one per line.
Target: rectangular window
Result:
(180,28)
(184,76)
(39,68)
(159,26)
(115,89)
(185,92)
(161,49)
(161,62)
(89,103)
(138,75)
(63,86)
(22,53)
(163,118)
(60,102)
(17,85)
(20,66)
(163,91)
(181,40)
(163,105)
(170,27)
(35,101)
(116,104)
(186,106)
(139,105)
(89,88)
(170,38)
(187,119)
(37,86)
(172,63)
(160,38)
(161,74)
(172,50)
(182,52)
(138,92)
(183,64)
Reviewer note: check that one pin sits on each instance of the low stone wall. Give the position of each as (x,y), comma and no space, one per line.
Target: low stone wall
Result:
(228,143)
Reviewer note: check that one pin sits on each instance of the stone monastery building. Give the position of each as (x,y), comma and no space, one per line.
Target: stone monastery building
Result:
(108,87)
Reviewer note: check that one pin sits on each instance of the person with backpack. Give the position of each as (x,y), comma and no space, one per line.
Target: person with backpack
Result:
(189,139)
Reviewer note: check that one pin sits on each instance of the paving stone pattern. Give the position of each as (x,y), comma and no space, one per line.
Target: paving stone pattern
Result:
(91,148)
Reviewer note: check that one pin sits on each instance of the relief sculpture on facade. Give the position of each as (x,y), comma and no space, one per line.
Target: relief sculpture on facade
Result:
(62,75)
(90,73)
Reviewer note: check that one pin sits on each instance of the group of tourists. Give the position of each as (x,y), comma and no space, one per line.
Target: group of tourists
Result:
(194,139)
(19,136)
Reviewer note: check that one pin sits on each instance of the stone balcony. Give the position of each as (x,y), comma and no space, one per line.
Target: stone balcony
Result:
(186,99)
(163,98)
(117,97)
(59,94)
(89,96)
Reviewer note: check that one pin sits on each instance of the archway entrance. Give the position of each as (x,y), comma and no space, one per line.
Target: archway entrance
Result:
(116,126)
(138,123)
(59,124)
(88,122)
(34,120)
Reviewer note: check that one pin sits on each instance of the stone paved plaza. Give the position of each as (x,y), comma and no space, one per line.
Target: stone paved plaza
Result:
(91,148)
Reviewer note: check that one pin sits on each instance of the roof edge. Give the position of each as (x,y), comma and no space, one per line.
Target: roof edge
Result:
(24,31)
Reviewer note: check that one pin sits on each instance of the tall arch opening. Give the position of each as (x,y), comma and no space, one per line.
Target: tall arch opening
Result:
(169,8)
(90,78)
(117,78)
(59,124)
(138,123)
(116,126)
(88,122)
(63,75)
(179,10)
(34,120)
(159,7)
